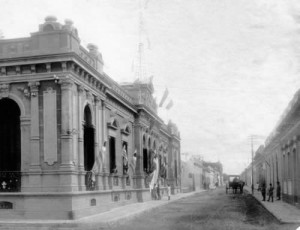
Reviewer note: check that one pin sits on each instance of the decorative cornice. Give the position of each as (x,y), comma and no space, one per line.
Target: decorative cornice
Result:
(80,89)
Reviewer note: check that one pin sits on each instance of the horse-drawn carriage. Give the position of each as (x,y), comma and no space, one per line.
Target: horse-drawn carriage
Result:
(235,184)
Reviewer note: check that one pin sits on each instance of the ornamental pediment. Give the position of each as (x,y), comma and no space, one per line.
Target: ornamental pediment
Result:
(125,129)
(148,100)
(113,123)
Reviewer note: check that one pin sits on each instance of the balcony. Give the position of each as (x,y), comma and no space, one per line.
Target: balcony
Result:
(10,181)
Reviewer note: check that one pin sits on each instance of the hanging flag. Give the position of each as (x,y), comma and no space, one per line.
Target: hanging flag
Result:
(96,167)
(164,97)
(155,173)
(170,105)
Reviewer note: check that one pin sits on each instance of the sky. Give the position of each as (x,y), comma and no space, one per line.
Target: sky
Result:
(231,66)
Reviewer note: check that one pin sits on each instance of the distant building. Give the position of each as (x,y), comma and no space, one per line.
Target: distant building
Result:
(191,174)
(73,142)
(213,174)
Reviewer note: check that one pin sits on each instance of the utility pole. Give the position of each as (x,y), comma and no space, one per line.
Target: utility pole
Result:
(252,185)
(252,138)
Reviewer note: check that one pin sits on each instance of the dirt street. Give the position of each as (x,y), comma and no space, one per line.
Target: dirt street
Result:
(207,210)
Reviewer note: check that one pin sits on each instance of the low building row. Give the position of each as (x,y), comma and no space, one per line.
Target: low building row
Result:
(197,174)
(279,159)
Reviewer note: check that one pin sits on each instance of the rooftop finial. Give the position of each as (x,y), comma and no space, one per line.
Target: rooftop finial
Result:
(68,22)
(50,18)
(92,47)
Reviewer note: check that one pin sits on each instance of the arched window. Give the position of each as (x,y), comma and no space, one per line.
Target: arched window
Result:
(88,140)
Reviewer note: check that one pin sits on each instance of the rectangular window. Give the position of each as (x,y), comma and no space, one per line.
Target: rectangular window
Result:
(112,155)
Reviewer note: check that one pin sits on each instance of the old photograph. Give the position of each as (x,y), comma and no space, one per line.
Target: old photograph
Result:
(150,114)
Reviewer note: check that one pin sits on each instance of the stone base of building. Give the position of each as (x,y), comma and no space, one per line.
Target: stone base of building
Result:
(66,206)
(291,199)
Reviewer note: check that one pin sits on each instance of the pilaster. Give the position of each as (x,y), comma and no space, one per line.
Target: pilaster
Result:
(80,129)
(104,136)
(66,124)
(81,176)
(138,142)
(35,164)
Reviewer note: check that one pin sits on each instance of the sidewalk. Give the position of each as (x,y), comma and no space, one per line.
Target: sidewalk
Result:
(284,212)
(101,220)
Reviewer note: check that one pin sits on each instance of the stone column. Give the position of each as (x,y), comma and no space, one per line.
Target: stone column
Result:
(35,164)
(25,149)
(66,124)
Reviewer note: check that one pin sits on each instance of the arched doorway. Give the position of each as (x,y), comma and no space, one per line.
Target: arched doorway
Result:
(88,140)
(10,136)
(10,146)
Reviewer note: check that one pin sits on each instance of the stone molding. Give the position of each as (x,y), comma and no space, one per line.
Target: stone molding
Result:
(66,83)
(34,88)
(4,90)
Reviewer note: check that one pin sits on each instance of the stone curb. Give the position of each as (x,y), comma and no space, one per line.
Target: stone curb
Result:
(277,217)
(131,215)
(99,219)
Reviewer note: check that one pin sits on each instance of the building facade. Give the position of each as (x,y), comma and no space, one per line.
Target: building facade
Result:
(192,174)
(73,141)
(279,159)
(212,174)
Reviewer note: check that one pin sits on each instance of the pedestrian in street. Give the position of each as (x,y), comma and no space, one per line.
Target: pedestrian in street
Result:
(242,184)
(158,192)
(154,192)
(270,192)
(263,191)
(278,191)
(169,192)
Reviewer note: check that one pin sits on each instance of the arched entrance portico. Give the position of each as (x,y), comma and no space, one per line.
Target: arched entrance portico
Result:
(10,145)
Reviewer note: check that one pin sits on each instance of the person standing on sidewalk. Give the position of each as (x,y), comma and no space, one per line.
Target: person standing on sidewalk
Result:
(278,191)
(158,192)
(169,192)
(270,191)
(263,191)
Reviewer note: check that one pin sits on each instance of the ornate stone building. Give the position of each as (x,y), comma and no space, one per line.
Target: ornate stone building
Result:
(73,141)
